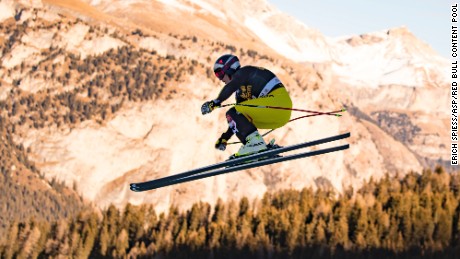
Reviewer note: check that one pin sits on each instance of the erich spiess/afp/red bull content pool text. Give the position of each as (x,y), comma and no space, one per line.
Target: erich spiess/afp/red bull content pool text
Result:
(454,91)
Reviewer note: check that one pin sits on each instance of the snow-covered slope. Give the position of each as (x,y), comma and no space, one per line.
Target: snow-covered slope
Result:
(390,57)
(298,43)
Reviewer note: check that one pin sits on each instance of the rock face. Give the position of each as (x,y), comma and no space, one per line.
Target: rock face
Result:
(394,97)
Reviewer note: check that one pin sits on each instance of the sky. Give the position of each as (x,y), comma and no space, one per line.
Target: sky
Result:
(428,20)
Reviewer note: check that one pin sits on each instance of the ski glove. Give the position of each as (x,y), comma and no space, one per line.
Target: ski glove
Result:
(208,107)
(221,144)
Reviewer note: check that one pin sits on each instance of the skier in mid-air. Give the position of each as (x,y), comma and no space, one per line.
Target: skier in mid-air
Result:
(262,102)
(253,86)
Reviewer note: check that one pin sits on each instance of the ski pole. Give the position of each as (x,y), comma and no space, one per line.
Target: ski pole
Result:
(280,108)
(335,113)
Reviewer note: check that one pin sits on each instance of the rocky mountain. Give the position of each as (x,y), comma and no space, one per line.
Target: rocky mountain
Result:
(103,93)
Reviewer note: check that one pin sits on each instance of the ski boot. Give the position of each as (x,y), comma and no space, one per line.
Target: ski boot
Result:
(254,144)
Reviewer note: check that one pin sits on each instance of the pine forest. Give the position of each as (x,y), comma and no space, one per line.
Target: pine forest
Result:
(413,217)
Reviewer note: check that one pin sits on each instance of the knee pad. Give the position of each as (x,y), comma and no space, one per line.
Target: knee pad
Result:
(232,124)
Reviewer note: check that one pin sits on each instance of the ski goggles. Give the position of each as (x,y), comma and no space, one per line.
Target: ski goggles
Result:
(219,73)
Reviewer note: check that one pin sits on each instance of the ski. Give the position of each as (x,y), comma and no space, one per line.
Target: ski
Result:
(235,163)
(250,165)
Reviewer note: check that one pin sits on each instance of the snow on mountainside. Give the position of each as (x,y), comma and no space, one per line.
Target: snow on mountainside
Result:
(393,56)
(297,42)
(389,57)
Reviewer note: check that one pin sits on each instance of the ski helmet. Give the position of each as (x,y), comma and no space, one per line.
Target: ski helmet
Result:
(226,64)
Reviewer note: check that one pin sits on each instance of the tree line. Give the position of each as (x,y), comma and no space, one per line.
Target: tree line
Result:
(413,217)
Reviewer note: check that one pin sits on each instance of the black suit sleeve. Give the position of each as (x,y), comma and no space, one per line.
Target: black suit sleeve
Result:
(230,88)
